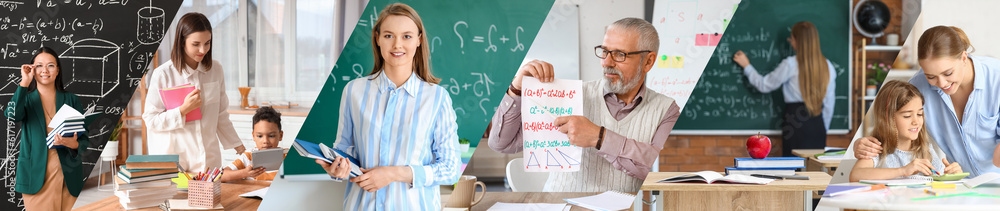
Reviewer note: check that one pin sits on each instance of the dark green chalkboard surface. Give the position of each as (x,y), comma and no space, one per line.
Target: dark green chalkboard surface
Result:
(476,47)
(724,103)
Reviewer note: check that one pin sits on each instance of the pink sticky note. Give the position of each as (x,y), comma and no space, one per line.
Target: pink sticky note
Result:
(701,39)
(714,39)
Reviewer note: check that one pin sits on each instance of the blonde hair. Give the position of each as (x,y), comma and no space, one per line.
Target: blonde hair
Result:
(421,60)
(814,73)
(943,41)
(890,98)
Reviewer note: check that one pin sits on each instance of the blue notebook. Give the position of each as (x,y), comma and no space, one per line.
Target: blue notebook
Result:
(324,153)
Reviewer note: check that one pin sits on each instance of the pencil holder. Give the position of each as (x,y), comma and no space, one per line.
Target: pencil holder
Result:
(204,193)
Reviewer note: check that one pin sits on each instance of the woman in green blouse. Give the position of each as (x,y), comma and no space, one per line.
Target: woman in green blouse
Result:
(49,179)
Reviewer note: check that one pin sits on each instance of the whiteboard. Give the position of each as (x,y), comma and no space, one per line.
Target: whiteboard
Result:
(558,41)
(683,55)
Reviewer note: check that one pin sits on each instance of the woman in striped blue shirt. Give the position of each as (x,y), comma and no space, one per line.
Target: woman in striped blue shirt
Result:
(398,122)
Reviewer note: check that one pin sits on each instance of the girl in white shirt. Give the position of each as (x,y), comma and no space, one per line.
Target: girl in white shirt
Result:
(196,141)
(907,149)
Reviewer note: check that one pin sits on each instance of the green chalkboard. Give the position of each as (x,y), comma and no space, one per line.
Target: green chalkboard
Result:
(476,47)
(760,29)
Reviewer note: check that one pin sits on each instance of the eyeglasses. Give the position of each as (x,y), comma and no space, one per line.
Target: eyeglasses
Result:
(616,55)
(50,67)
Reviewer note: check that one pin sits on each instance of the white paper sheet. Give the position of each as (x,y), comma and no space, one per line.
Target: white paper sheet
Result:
(545,148)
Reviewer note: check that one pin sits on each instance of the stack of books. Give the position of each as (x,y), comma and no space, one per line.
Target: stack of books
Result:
(768,166)
(66,122)
(144,180)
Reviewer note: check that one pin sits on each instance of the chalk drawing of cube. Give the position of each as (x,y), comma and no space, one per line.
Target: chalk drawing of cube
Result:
(91,67)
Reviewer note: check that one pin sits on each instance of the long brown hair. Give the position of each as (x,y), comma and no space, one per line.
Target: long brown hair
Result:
(943,41)
(814,74)
(422,58)
(890,98)
(188,24)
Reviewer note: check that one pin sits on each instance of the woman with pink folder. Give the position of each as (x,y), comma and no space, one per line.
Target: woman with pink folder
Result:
(186,103)
(48,178)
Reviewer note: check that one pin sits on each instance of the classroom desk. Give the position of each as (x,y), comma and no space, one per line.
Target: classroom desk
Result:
(231,199)
(528,197)
(828,166)
(777,195)
(900,198)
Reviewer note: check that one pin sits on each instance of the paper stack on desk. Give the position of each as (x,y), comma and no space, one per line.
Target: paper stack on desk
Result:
(66,122)
(138,187)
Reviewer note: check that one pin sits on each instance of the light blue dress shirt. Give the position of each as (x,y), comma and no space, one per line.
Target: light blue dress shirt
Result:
(412,125)
(970,143)
(786,76)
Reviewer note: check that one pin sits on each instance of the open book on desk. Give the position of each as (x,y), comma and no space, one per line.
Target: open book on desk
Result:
(711,177)
(324,153)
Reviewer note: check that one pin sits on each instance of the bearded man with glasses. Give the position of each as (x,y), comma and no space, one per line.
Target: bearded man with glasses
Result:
(624,124)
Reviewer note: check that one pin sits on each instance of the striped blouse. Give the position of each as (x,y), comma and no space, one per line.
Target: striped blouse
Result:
(411,125)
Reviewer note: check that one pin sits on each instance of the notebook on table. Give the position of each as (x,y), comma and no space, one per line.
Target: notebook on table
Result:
(609,200)
(711,177)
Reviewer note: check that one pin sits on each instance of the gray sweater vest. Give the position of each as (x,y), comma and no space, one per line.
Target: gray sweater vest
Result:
(596,173)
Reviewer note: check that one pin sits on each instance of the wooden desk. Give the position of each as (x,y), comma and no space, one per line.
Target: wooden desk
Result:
(813,164)
(527,197)
(231,199)
(901,198)
(806,153)
(777,195)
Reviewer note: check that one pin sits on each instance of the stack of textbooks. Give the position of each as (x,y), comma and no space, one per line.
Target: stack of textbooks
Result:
(66,122)
(784,166)
(144,180)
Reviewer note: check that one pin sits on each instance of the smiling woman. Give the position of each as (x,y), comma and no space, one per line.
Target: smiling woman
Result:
(961,93)
(405,155)
(49,178)
(195,129)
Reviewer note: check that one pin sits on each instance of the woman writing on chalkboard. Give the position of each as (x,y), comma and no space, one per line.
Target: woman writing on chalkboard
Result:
(962,105)
(398,122)
(807,80)
(49,179)
(170,132)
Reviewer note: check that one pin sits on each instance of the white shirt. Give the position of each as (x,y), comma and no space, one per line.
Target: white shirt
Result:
(900,158)
(197,142)
(786,76)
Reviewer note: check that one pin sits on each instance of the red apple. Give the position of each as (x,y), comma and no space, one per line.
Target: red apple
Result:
(758,146)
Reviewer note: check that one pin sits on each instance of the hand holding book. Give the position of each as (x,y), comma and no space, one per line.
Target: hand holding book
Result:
(68,142)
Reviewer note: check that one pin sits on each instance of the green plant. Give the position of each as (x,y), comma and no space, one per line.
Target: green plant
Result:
(878,73)
(463,141)
(116,132)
